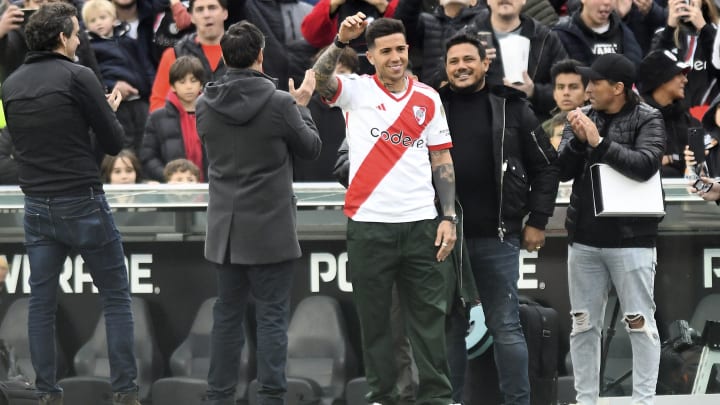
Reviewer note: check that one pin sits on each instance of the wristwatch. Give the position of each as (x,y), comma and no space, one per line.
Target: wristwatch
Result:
(452,218)
(340,44)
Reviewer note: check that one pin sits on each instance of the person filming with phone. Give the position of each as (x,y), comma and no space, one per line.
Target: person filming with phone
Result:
(13,46)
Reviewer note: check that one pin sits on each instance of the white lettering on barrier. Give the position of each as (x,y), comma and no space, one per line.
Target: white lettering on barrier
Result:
(334,269)
(326,268)
(74,276)
(527,269)
(708,269)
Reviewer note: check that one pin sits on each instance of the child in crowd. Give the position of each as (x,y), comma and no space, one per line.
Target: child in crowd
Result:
(181,171)
(170,132)
(124,168)
(122,66)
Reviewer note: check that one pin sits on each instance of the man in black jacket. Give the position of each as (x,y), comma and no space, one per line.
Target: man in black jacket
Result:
(505,23)
(51,104)
(505,169)
(252,132)
(629,136)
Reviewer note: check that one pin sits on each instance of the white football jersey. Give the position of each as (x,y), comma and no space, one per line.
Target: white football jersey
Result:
(390,137)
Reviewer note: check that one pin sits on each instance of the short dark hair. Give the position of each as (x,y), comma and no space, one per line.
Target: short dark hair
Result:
(223,4)
(383,27)
(241,44)
(567,66)
(184,65)
(465,38)
(44,26)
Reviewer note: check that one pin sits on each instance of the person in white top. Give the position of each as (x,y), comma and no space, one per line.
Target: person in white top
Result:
(399,161)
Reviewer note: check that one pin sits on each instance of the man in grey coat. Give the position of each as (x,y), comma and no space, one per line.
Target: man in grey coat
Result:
(252,132)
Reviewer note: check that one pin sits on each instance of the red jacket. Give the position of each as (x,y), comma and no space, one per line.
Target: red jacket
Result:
(319,27)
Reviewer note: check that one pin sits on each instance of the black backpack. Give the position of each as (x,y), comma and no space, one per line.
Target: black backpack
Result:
(541,328)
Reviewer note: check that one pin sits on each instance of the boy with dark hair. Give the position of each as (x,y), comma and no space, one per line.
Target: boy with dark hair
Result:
(171,131)
(209,17)
(181,171)
(568,93)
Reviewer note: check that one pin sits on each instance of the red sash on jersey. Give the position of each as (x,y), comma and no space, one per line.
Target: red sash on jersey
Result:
(384,155)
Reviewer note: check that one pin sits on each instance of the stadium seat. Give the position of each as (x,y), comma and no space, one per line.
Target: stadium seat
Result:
(14,333)
(320,358)
(190,362)
(92,366)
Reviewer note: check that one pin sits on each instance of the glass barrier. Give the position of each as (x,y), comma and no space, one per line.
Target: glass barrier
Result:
(174,212)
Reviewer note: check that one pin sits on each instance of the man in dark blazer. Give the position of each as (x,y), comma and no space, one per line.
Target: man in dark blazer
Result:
(252,132)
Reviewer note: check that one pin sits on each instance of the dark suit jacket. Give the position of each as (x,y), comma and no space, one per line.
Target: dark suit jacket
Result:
(252,132)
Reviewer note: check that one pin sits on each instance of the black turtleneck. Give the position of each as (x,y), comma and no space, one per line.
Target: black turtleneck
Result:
(470,122)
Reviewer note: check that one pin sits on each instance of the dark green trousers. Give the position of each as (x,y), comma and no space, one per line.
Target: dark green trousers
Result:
(383,254)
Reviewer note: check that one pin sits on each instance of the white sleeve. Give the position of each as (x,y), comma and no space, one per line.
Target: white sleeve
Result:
(438,133)
(348,86)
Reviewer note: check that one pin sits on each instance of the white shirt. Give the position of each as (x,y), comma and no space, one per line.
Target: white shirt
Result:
(389,137)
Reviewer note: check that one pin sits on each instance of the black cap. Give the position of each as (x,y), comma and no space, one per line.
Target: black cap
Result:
(611,66)
(659,67)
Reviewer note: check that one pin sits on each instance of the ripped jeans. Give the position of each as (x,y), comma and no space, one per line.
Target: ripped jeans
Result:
(590,273)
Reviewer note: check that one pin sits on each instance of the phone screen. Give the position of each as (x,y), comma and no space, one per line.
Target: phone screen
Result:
(702,186)
(696,141)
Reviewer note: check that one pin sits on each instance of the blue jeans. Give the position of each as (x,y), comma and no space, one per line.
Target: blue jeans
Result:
(590,274)
(270,285)
(54,228)
(496,267)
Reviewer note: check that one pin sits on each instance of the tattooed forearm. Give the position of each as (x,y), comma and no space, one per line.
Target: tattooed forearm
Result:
(443,174)
(324,68)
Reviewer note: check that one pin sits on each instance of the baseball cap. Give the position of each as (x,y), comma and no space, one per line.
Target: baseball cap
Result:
(611,66)
(659,67)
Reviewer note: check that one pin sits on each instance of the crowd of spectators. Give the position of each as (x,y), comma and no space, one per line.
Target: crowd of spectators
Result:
(160,53)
